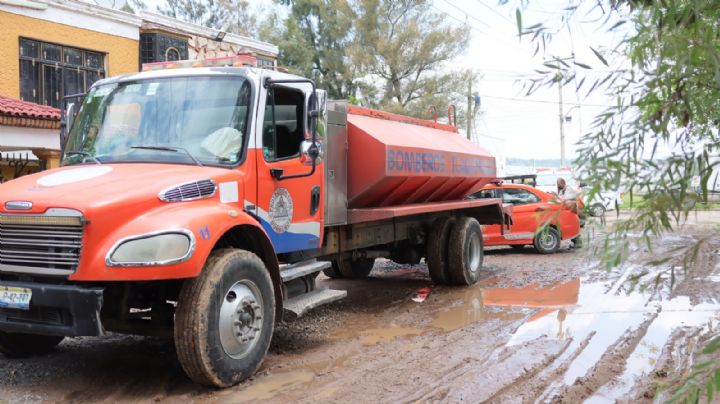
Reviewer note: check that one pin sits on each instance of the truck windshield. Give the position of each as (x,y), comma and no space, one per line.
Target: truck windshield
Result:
(192,120)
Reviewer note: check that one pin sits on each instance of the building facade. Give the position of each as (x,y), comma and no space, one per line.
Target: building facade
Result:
(52,49)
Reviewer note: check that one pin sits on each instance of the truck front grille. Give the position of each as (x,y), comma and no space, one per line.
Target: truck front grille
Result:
(40,244)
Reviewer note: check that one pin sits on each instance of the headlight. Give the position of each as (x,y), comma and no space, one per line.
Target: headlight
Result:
(164,248)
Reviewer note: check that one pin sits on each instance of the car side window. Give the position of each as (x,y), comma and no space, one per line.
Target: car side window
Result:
(517,196)
(484,194)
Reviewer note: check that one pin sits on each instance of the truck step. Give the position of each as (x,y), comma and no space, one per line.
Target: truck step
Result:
(297,306)
(301,269)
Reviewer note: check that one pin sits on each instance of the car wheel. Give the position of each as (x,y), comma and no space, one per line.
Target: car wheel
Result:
(597,210)
(465,251)
(19,345)
(224,319)
(547,240)
(437,250)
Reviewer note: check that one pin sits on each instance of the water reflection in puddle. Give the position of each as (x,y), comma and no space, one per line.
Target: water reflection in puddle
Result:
(596,311)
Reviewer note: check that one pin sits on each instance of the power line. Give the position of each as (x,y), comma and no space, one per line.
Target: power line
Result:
(513,45)
(542,101)
(467,14)
(494,11)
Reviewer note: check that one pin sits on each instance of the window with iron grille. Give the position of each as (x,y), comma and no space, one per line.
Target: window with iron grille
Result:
(265,63)
(48,71)
(156,47)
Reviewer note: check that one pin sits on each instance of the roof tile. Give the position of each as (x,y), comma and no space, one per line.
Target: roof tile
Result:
(12,107)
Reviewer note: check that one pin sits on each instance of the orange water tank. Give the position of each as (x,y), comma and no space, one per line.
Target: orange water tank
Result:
(397,160)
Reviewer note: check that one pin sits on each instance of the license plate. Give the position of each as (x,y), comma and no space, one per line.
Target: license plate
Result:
(15,298)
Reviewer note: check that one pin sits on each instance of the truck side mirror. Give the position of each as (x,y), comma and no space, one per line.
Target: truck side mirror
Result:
(310,151)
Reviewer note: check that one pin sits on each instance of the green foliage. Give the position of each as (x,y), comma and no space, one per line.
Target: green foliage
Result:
(384,54)
(405,43)
(201,12)
(662,129)
(233,16)
(314,40)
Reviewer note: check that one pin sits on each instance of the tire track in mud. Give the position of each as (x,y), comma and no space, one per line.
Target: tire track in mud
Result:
(534,385)
(611,364)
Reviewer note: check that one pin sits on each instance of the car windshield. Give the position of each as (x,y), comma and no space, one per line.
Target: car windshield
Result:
(193,120)
(550,180)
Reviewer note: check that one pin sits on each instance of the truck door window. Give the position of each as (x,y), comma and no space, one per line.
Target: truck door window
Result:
(284,131)
(519,196)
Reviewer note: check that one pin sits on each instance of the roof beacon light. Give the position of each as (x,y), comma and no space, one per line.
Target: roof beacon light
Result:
(227,61)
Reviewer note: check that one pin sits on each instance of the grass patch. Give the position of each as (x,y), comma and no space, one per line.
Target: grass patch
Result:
(639,201)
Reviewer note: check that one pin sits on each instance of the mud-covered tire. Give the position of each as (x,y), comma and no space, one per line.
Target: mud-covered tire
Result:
(332,271)
(236,284)
(465,251)
(19,345)
(353,269)
(437,250)
(547,240)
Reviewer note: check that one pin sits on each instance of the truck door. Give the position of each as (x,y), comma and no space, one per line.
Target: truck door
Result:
(291,210)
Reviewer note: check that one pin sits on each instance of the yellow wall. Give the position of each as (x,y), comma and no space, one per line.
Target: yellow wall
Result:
(7,172)
(122,53)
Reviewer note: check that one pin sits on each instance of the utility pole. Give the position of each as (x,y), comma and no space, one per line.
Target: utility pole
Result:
(469,110)
(562,121)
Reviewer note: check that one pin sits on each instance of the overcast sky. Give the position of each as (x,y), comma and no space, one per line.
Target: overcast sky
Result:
(512,124)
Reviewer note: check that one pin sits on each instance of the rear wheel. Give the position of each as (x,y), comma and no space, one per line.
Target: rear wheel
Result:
(437,250)
(465,251)
(547,240)
(18,345)
(353,269)
(224,319)
(332,271)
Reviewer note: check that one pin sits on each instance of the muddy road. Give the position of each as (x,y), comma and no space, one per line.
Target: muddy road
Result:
(557,328)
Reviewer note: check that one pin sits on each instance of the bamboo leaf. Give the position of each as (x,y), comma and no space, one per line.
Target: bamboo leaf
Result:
(599,56)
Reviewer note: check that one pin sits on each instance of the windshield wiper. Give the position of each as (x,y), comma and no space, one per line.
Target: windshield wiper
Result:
(168,148)
(84,153)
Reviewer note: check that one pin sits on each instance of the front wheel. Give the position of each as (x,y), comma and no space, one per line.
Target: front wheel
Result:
(465,251)
(547,240)
(18,345)
(224,319)
(597,210)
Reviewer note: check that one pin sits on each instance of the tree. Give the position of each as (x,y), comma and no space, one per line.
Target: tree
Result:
(663,127)
(405,44)
(314,39)
(207,13)
(237,18)
(381,53)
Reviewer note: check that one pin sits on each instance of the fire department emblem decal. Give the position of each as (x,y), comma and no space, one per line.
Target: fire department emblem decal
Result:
(281,210)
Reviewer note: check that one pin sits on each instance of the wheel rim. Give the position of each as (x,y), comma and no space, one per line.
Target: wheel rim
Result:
(240,320)
(547,240)
(597,211)
(474,252)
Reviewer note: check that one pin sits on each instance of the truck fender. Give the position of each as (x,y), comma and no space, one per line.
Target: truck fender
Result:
(250,236)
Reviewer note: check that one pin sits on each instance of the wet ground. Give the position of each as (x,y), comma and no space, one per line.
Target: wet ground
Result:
(556,328)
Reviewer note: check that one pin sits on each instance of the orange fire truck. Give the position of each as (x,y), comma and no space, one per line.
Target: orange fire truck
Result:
(202,203)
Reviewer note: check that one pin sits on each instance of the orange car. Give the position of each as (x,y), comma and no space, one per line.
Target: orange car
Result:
(539,219)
